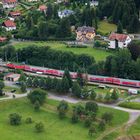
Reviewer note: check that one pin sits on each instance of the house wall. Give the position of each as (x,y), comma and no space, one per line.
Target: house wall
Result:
(9,5)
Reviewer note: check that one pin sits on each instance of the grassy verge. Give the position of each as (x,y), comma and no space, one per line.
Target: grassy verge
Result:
(132,105)
(55,129)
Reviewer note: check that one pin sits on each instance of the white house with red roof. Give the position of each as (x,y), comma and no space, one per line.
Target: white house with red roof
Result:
(118,40)
(13,15)
(9,25)
(9,3)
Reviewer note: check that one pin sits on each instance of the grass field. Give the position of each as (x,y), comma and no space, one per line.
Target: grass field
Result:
(98,54)
(135,128)
(106,28)
(55,129)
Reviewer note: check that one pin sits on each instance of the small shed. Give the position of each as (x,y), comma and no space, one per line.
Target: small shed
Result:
(12,77)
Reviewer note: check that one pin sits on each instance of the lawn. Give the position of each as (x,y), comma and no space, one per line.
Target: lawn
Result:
(98,54)
(55,129)
(106,28)
(9,89)
(135,128)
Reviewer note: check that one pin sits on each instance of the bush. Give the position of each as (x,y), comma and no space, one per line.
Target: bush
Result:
(39,127)
(107,117)
(36,106)
(15,119)
(37,95)
(91,107)
(28,120)
(74,118)
(87,122)
(62,109)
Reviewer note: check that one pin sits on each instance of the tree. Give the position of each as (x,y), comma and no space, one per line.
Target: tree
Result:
(107,117)
(1,88)
(101,125)
(114,95)
(39,127)
(29,82)
(91,107)
(92,130)
(88,121)
(79,110)
(35,82)
(67,75)
(48,83)
(15,119)
(22,77)
(28,120)
(37,106)
(74,118)
(37,95)
(107,97)
(76,90)
(62,109)
(93,94)
(85,93)
(65,85)
(23,87)
(80,78)
(120,28)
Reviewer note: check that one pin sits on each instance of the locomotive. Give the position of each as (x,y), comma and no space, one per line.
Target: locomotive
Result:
(91,78)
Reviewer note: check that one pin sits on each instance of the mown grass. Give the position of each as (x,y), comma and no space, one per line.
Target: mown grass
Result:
(105,27)
(135,128)
(55,129)
(98,54)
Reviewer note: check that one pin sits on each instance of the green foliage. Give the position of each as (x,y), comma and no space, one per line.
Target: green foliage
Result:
(92,130)
(91,107)
(87,122)
(23,87)
(15,119)
(131,105)
(37,95)
(62,109)
(120,28)
(65,85)
(107,117)
(1,88)
(74,118)
(93,94)
(28,120)
(114,95)
(22,77)
(76,90)
(101,125)
(36,106)
(39,127)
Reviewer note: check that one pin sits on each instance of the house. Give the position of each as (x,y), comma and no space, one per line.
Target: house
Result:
(3,39)
(118,41)
(9,3)
(65,13)
(12,77)
(42,8)
(9,25)
(13,15)
(85,34)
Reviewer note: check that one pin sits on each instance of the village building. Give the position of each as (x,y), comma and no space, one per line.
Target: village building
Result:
(9,3)
(118,40)
(32,0)
(85,34)
(12,77)
(42,8)
(65,13)
(13,15)
(9,25)
(3,39)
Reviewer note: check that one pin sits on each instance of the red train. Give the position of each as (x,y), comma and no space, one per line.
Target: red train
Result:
(91,78)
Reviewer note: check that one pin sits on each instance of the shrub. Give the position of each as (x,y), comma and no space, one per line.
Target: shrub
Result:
(74,118)
(62,108)
(37,95)
(15,119)
(87,122)
(39,127)
(36,106)
(28,120)
(107,117)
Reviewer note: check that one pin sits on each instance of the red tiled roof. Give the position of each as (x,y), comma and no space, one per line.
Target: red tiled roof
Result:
(42,7)
(9,1)
(15,13)
(9,23)
(119,37)
(2,39)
